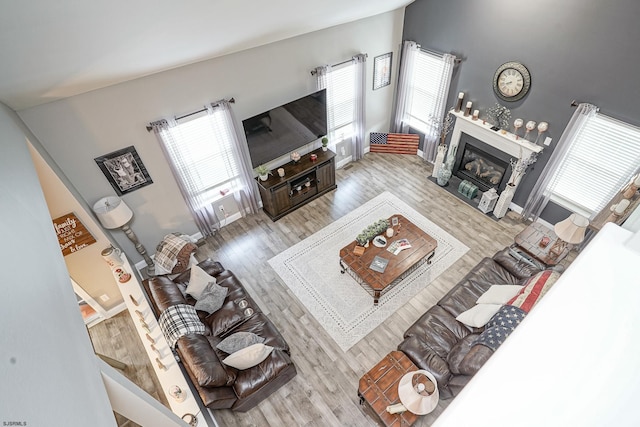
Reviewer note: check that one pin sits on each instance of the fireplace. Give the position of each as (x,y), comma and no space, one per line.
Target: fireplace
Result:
(481,164)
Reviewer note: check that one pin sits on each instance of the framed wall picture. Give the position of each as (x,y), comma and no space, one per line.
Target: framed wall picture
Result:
(382,70)
(124,170)
(72,234)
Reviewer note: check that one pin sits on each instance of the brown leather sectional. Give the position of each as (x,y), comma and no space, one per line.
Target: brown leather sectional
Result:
(440,344)
(221,386)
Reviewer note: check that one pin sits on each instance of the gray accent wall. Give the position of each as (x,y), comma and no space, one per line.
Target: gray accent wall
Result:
(582,50)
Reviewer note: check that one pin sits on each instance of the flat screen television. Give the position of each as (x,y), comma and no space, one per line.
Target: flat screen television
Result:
(284,129)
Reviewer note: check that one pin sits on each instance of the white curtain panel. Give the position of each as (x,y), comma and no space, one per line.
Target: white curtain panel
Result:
(403,93)
(247,197)
(431,140)
(201,201)
(357,141)
(323,81)
(206,220)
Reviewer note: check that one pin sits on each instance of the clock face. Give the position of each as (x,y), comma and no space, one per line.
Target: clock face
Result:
(511,81)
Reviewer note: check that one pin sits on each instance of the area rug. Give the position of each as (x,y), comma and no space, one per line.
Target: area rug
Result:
(311,270)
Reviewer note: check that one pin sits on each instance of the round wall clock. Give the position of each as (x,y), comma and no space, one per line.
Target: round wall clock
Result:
(512,81)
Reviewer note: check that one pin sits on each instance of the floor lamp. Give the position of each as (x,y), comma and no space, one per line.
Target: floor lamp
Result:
(113,212)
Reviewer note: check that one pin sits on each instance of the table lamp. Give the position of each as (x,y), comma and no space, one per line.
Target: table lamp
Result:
(569,231)
(418,392)
(114,213)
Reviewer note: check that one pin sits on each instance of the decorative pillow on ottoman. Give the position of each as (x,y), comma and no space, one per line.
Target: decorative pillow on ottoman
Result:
(534,289)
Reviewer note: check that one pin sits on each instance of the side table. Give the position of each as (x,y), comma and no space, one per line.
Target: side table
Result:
(530,240)
(378,389)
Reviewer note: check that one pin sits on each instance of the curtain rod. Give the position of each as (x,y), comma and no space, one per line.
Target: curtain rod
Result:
(231,100)
(455,58)
(314,72)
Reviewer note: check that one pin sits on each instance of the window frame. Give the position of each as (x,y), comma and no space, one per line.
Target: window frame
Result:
(345,90)
(184,152)
(425,80)
(587,148)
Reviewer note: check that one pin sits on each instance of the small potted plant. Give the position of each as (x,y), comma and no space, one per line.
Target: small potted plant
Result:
(263,172)
(325,142)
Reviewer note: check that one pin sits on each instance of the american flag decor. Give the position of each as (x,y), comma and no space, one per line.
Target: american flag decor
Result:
(396,143)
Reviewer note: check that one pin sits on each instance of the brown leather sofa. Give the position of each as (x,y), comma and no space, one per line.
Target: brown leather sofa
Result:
(221,386)
(440,344)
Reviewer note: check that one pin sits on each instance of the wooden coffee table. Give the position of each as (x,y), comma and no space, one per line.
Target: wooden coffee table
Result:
(422,250)
(378,389)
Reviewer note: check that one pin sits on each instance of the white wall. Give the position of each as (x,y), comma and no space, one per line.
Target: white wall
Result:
(76,130)
(85,266)
(573,361)
(48,369)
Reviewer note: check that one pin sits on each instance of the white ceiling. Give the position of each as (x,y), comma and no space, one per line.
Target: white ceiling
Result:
(56,49)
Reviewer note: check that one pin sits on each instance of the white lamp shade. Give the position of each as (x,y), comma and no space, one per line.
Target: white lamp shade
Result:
(571,230)
(112,212)
(419,403)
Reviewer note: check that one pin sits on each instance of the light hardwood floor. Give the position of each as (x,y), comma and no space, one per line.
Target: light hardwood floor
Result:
(324,391)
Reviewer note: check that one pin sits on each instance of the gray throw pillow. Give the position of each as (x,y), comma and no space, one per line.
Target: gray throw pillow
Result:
(211,298)
(238,341)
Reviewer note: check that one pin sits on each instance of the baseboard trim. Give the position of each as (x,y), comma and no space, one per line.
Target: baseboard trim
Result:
(342,163)
(118,308)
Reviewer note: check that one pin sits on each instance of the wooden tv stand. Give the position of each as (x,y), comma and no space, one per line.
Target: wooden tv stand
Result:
(303,181)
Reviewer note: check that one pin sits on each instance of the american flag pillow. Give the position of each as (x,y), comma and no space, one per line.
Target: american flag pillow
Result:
(534,289)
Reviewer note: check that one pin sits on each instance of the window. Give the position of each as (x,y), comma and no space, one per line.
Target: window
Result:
(342,99)
(428,88)
(602,157)
(201,150)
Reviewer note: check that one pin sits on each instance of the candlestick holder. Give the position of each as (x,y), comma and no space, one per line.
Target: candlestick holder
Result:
(459,103)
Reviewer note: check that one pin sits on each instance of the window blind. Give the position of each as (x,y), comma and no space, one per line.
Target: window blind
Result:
(342,102)
(602,157)
(201,149)
(427,90)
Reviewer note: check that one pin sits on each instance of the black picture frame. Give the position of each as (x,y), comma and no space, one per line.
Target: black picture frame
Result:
(124,170)
(382,70)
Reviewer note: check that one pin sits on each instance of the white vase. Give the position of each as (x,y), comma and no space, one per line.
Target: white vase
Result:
(437,164)
(504,201)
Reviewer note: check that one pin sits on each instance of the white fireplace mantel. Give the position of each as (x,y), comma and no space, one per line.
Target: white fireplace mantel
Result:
(505,142)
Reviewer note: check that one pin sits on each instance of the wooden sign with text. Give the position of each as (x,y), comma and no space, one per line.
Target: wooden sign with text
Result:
(72,234)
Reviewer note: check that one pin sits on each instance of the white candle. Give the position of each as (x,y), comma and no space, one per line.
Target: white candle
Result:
(621,206)
(476,113)
(469,104)
(461,95)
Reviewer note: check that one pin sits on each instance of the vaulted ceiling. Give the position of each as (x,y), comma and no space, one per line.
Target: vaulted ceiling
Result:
(55,49)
